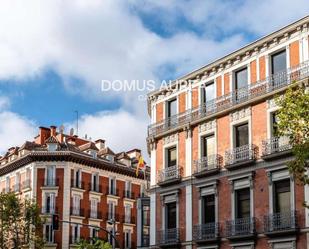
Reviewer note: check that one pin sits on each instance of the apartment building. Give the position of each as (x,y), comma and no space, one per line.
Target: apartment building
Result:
(218,172)
(84,182)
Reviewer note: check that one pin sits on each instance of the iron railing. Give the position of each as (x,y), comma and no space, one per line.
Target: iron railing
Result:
(208,163)
(51,182)
(95,214)
(208,231)
(240,154)
(168,236)
(240,227)
(280,221)
(238,96)
(275,145)
(169,173)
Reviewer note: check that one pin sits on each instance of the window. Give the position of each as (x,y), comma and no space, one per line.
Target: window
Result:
(49,234)
(278,62)
(208,146)
(112,186)
(111,210)
(94,233)
(94,208)
(171,157)
(52,147)
(127,211)
(50,176)
(241,78)
(49,203)
(75,233)
(127,239)
(208,92)
(243,203)
(282,198)
(77,179)
(76,205)
(110,239)
(241,135)
(171,108)
(274,122)
(171,215)
(7,184)
(208,207)
(17,182)
(128,189)
(95,183)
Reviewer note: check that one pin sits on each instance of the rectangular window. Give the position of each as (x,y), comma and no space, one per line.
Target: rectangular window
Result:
(171,215)
(76,205)
(77,179)
(171,157)
(75,234)
(49,203)
(17,182)
(128,189)
(111,210)
(241,78)
(7,184)
(171,108)
(243,203)
(127,211)
(208,145)
(282,198)
(208,92)
(241,135)
(208,207)
(127,239)
(278,62)
(112,186)
(94,208)
(95,183)
(50,176)
(94,233)
(48,232)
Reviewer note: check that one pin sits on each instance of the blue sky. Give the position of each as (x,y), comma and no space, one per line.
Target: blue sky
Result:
(54,54)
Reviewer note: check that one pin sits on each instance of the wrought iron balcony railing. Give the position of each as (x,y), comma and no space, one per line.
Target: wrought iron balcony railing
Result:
(169,174)
(250,92)
(276,145)
(280,222)
(168,236)
(206,164)
(204,232)
(242,227)
(239,155)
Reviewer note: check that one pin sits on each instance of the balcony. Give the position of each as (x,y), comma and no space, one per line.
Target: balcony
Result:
(95,215)
(169,175)
(51,182)
(255,91)
(168,237)
(240,228)
(240,156)
(128,194)
(204,233)
(208,165)
(97,188)
(276,147)
(79,212)
(114,192)
(77,184)
(280,223)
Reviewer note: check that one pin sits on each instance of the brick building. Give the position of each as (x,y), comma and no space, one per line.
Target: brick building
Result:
(218,172)
(82,181)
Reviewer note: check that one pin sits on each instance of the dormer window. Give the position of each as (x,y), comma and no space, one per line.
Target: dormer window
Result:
(51,147)
(110,158)
(93,153)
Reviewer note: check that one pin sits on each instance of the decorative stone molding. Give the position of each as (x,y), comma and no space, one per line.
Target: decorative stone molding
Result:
(207,126)
(170,139)
(235,116)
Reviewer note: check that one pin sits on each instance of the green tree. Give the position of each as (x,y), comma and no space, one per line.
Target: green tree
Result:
(19,223)
(96,244)
(293,122)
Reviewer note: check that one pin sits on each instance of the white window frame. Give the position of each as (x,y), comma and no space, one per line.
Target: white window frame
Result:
(128,244)
(51,235)
(50,182)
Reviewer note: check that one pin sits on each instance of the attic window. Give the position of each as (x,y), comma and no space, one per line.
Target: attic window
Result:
(51,147)
(110,158)
(93,153)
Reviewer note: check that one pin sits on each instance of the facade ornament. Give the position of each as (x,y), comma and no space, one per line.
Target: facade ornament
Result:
(269,178)
(170,139)
(207,126)
(231,182)
(235,116)
(271,103)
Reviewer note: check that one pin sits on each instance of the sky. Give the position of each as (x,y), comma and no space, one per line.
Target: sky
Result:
(54,55)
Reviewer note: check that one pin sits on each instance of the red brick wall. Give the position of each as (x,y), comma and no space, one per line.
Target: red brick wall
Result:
(259,124)
(195,96)
(195,143)
(253,77)
(159,155)
(159,112)
(182,151)
(182,102)
(182,213)
(262,67)
(227,83)
(59,205)
(223,139)
(219,86)
(224,200)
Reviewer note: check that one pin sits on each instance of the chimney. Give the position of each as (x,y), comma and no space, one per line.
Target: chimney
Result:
(100,143)
(135,153)
(44,133)
(53,130)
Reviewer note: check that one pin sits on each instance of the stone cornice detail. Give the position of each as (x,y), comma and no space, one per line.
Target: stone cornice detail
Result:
(243,113)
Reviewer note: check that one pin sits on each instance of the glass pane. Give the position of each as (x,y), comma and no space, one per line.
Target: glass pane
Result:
(282,196)
(172,108)
(208,146)
(209,209)
(243,203)
(241,78)
(172,157)
(242,135)
(171,215)
(209,92)
(278,62)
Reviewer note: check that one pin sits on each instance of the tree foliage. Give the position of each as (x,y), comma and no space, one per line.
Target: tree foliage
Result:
(19,220)
(96,244)
(293,122)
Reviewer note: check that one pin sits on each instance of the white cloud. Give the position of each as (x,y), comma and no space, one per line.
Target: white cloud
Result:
(4,103)
(14,130)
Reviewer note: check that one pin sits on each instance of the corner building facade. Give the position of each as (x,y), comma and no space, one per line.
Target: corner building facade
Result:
(84,182)
(218,172)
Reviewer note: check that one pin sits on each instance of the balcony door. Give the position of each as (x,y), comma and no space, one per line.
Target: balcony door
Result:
(208,150)
(171,157)
(241,84)
(171,215)
(243,203)
(209,211)
(282,196)
(208,96)
(171,111)
(241,135)
(278,68)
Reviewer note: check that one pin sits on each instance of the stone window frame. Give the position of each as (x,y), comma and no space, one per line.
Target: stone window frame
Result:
(210,188)
(242,182)
(208,131)
(286,242)
(166,198)
(278,174)
(165,149)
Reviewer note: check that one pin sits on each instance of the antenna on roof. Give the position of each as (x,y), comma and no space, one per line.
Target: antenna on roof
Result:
(71,132)
(85,136)
(76,122)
